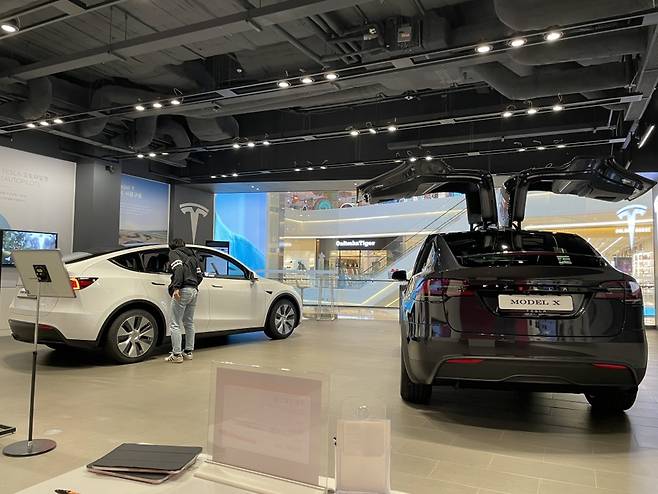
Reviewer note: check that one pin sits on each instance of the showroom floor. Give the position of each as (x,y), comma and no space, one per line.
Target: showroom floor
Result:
(468,442)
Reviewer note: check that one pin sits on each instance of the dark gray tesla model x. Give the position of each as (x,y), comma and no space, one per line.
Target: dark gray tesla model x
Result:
(499,306)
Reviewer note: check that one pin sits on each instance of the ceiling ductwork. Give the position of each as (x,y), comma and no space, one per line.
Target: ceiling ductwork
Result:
(214,129)
(530,15)
(170,129)
(140,136)
(38,98)
(602,46)
(545,83)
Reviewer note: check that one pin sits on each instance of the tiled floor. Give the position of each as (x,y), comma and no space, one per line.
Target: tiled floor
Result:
(467,442)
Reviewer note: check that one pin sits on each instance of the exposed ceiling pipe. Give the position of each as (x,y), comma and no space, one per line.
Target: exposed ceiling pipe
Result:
(170,128)
(214,129)
(606,45)
(36,105)
(543,84)
(529,15)
(141,134)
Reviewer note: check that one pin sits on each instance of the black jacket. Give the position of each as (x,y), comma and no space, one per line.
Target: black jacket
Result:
(185,269)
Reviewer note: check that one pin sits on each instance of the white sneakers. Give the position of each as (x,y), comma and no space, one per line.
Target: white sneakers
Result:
(178,359)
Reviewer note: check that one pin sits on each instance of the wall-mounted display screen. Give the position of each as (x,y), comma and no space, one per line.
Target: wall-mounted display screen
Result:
(22,240)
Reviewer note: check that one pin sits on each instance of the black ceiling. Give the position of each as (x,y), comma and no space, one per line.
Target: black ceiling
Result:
(410,64)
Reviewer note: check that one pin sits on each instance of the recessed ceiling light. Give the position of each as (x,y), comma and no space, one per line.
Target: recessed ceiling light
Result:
(558,107)
(428,158)
(354,132)
(307,80)
(157,105)
(10,26)
(140,156)
(517,42)
(646,136)
(175,102)
(152,155)
(283,84)
(31,125)
(412,159)
(521,150)
(165,154)
(398,161)
(224,176)
(323,167)
(140,107)
(484,48)
(251,144)
(234,174)
(58,121)
(44,123)
(309,168)
(507,114)
(531,111)
(561,146)
(236,145)
(213,176)
(392,128)
(372,131)
(266,143)
(553,35)
(298,169)
(541,148)
(331,76)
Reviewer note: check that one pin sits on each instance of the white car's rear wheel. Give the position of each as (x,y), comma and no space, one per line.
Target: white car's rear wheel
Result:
(282,320)
(132,337)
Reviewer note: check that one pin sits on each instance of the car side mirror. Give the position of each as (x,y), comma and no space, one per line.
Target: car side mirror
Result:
(399,275)
(252,277)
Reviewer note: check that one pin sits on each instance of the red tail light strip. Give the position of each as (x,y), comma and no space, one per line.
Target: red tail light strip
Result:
(445,287)
(464,361)
(610,366)
(81,283)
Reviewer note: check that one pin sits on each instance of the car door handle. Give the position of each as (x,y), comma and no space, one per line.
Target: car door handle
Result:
(217,286)
(157,284)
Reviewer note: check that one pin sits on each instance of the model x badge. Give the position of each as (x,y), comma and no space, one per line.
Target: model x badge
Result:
(194,210)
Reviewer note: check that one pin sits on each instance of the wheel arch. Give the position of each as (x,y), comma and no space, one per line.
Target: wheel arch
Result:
(286,296)
(131,305)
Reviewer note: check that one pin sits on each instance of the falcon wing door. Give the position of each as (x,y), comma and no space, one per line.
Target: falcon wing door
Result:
(415,179)
(599,178)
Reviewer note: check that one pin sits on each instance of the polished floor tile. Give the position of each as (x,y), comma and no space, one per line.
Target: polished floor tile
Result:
(466,442)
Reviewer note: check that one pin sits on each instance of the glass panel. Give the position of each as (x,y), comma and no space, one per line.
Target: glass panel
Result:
(218,267)
(156,261)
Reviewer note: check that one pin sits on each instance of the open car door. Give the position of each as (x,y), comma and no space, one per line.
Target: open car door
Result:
(416,179)
(597,178)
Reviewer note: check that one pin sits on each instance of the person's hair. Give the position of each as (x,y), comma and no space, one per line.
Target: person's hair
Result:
(176,243)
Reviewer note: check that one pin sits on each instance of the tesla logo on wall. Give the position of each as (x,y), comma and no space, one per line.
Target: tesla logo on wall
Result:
(630,214)
(194,210)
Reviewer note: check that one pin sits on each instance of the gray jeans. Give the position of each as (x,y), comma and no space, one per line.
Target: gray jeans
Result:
(182,314)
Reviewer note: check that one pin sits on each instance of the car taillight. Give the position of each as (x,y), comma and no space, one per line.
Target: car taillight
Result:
(446,287)
(81,283)
(627,291)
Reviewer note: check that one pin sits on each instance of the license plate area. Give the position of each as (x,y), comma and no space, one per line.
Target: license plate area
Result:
(536,303)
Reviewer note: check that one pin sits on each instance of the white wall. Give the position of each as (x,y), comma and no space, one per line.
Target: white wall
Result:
(36,193)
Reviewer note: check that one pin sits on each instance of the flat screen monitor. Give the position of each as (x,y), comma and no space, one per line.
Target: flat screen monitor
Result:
(23,240)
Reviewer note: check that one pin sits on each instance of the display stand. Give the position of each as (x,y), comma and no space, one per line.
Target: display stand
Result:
(268,430)
(44,275)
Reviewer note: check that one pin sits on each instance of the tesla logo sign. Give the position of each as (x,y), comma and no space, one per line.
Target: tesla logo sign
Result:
(194,210)
(630,214)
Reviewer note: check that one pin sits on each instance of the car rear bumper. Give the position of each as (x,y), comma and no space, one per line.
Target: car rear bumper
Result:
(557,364)
(24,331)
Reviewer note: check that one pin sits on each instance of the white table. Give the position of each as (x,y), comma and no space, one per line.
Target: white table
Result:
(85,482)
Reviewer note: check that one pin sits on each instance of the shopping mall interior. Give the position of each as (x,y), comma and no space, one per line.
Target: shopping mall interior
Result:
(351,246)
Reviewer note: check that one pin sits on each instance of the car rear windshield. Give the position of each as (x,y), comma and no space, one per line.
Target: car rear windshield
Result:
(522,248)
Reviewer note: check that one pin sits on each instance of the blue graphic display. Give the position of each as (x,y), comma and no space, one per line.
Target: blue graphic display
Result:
(241,220)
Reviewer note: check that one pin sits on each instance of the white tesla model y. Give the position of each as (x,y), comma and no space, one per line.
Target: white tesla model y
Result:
(122,303)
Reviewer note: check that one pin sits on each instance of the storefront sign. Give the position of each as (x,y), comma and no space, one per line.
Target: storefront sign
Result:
(363,243)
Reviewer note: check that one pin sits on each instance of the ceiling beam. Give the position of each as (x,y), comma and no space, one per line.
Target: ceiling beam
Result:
(222,26)
(646,80)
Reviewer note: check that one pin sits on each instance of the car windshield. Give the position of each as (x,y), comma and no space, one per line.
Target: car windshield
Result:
(522,248)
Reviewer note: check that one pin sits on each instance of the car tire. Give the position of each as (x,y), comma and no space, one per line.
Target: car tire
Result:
(410,391)
(132,337)
(282,319)
(612,400)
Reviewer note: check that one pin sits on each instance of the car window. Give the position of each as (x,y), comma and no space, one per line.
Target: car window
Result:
(216,266)
(430,262)
(155,261)
(131,261)
(423,255)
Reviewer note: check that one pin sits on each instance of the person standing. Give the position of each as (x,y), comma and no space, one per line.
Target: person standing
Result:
(186,275)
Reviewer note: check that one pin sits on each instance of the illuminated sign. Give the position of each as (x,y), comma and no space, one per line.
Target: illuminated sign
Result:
(381,243)
(630,214)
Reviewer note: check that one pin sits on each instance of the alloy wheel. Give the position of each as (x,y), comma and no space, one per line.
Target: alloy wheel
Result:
(135,337)
(284,319)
